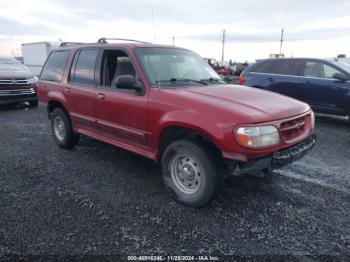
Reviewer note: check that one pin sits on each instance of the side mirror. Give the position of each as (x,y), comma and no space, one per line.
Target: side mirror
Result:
(341,77)
(127,82)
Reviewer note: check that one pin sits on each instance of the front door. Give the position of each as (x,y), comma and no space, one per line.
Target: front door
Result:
(121,113)
(324,92)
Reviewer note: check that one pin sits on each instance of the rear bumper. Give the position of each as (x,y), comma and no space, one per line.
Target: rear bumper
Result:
(264,166)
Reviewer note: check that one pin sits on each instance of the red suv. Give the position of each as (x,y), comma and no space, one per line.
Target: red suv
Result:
(167,104)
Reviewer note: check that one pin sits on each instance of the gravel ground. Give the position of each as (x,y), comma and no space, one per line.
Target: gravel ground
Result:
(101,200)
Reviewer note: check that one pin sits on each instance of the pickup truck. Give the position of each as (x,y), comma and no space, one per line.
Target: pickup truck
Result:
(165,103)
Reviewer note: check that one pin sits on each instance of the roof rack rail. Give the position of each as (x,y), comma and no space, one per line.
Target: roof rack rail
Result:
(103,40)
(70,43)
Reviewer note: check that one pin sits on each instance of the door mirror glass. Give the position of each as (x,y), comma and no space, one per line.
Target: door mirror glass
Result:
(127,82)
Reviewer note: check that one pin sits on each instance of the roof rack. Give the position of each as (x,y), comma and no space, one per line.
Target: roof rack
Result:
(70,43)
(103,40)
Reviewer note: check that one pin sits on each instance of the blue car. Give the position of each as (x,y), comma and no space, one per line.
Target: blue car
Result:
(323,84)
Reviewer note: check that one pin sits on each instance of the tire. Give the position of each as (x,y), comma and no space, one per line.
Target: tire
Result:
(62,129)
(200,178)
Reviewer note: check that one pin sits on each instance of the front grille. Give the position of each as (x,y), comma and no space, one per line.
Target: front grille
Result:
(294,129)
(17,92)
(14,81)
(19,86)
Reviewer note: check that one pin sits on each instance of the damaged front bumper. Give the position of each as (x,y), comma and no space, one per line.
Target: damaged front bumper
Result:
(264,166)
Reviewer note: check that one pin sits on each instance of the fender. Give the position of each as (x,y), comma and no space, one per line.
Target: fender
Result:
(189,120)
(58,97)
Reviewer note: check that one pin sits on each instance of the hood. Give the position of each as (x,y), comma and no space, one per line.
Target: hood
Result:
(14,71)
(257,105)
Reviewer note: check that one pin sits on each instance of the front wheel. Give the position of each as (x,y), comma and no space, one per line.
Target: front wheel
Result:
(191,172)
(62,129)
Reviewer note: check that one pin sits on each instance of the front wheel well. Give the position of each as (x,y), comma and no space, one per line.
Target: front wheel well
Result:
(52,105)
(170,134)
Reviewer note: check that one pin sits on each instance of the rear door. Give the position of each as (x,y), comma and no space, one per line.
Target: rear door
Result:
(323,91)
(284,78)
(80,89)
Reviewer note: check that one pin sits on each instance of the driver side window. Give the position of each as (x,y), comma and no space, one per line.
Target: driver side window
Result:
(329,71)
(115,63)
(319,70)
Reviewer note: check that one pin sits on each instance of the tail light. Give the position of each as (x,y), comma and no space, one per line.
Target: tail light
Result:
(241,79)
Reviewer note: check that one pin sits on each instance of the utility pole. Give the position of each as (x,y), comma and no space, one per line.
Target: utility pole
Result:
(281,41)
(173,40)
(223,44)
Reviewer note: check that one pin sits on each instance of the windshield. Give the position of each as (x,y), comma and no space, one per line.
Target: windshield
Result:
(7,64)
(343,65)
(172,67)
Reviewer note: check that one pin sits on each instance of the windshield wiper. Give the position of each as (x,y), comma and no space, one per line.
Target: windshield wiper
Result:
(210,80)
(182,80)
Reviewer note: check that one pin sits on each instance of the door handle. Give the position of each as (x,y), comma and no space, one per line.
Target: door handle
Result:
(101,96)
(67,90)
(270,79)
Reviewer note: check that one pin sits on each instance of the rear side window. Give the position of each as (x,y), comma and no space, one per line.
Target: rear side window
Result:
(280,67)
(263,67)
(83,69)
(288,67)
(54,67)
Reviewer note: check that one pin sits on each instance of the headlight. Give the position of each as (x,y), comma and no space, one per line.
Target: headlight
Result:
(257,137)
(312,119)
(32,80)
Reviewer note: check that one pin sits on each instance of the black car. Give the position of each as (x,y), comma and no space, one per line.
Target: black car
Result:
(17,83)
(324,84)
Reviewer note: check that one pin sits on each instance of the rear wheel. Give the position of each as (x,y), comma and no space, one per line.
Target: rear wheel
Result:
(62,129)
(191,172)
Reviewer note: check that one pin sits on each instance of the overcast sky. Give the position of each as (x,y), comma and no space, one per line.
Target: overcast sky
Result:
(313,28)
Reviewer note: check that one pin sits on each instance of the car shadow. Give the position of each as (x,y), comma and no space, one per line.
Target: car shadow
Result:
(14,106)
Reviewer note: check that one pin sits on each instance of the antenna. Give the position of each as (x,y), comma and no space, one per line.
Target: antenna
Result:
(282,33)
(157,51)
(154,26)
(223,44)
